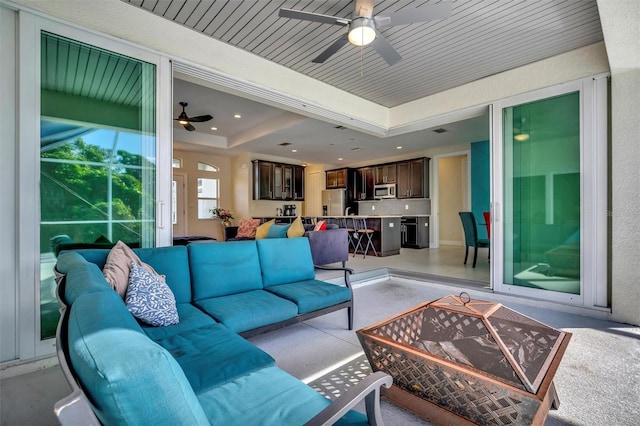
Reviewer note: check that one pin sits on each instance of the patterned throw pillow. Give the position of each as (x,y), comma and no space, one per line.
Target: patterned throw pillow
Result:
(296,229)
(150,299)
(116,269)
(247,228)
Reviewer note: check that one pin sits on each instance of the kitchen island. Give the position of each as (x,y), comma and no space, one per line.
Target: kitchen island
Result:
(386,231)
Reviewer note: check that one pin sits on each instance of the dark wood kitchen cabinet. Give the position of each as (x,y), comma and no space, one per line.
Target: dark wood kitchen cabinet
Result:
(412,178)
(367,181)
(385,173)
(277,181)
(336,178)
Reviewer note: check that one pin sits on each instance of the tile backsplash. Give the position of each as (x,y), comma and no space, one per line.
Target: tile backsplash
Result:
(403,207)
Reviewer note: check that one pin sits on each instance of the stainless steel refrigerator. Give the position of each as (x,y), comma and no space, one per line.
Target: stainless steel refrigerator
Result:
(334,202)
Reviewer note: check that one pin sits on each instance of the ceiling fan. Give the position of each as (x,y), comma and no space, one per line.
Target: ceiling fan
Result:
(184,119)
(363,26)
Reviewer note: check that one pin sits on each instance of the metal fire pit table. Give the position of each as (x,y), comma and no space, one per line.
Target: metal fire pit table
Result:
(462,361)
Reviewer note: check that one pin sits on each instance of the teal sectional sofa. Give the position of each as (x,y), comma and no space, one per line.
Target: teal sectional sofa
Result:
(201,370)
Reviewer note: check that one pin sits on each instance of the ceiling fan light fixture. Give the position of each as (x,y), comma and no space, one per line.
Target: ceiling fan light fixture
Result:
(362,31)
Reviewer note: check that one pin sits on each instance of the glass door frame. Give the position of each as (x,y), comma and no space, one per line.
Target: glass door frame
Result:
(30,27)
(593,92)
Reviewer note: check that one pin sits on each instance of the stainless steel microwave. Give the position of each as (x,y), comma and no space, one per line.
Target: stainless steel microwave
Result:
(387,190)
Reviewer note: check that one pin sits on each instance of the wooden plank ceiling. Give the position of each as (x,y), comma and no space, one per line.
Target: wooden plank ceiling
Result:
(481,38)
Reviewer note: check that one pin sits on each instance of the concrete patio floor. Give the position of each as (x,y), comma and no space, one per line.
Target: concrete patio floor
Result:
(598,381)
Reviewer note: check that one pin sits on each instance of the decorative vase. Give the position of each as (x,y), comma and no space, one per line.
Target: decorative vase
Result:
(226,223)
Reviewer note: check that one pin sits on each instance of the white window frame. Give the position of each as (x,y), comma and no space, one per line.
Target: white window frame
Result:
(593,93)
(30,28)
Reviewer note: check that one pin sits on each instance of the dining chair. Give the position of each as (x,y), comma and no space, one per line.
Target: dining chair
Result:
(471,236)
(487,223)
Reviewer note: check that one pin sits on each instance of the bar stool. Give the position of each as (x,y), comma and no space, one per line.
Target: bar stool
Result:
(363,233)
(347,223)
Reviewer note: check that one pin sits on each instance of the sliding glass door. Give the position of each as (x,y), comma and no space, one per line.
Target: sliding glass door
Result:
(97,154)
(549,198)
(542,194)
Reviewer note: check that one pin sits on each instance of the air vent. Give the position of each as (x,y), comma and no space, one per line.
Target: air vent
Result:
(357,148)
(285,144)
(440,130)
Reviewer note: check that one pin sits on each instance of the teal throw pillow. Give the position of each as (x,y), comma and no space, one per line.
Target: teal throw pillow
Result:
(150,299)
(278,231)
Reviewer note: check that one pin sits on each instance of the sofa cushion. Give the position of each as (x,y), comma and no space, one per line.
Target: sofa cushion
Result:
(219,269)
(118,266)
(247,228)
(248,310)
(312,295)
(284,261)
(278,231)
(262,230)
(81,276)
(270,397)
(296,229)
(173,263)
(112,358)
(212,354)
(190,317)
(329,246)
(149,298)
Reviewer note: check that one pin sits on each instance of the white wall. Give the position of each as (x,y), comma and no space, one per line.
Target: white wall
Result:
(452,198)
(621,30)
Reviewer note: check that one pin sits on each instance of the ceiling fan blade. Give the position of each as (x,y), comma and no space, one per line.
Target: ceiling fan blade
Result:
(384,49)
(189,127)
(329,51)
(201,118)
(314,17)
(411,16)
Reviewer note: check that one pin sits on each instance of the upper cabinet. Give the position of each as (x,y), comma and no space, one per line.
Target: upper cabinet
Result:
(367,181)
(412,178)
(277,181)
(385,173)
(336,178)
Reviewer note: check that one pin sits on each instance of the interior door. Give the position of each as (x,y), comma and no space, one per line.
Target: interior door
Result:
(179,205)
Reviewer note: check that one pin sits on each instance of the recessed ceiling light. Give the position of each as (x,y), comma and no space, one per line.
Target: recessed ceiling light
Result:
(294,150)
(237,116)
(340,159)
(214,128)
(398,147)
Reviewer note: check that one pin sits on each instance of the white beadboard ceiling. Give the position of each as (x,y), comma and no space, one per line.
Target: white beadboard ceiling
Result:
(479,39)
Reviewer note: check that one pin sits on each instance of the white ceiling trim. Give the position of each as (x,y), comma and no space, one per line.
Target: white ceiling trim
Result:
(277,98)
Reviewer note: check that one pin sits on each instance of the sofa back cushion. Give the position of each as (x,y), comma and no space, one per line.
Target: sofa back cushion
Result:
(81,276)
(129,378)
(223,268)
(173,263)
(285,260)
